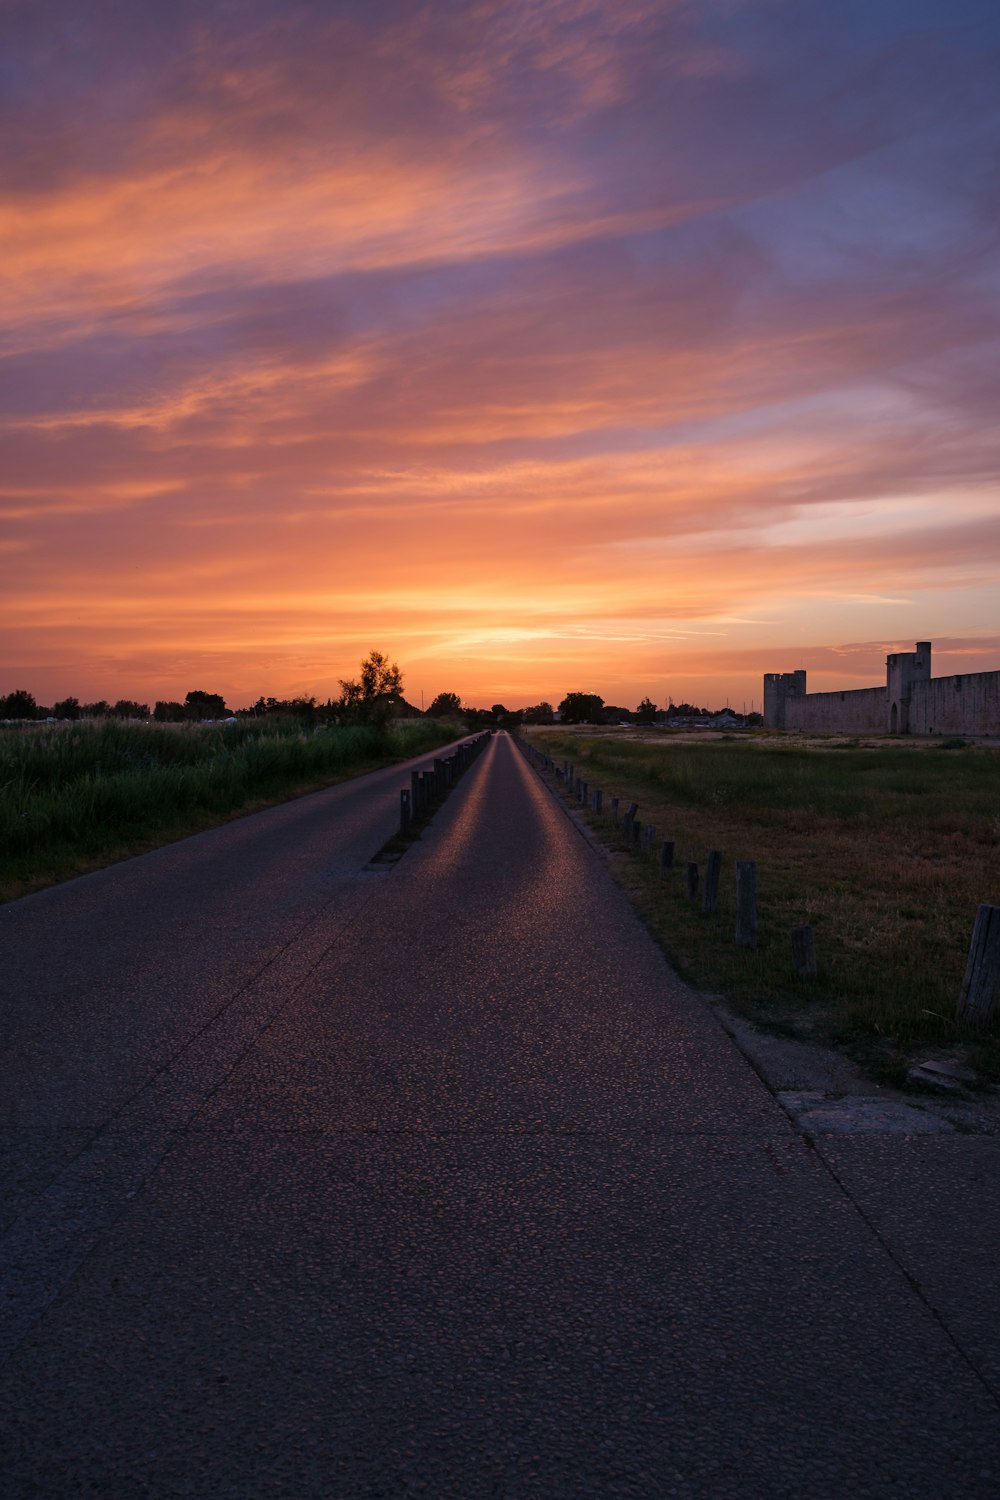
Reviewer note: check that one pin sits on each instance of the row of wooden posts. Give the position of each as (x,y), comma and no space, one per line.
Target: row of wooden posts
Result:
(428,788)
(980,987)
(643,838)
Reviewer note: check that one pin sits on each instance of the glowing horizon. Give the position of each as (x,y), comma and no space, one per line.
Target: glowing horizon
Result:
(545,345)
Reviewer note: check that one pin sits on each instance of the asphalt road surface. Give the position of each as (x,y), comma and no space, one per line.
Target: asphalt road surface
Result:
(323,1181)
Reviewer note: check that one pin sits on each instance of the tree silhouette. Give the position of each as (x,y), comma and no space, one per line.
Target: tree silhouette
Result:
(199,705)
(582,708)
(445,706)
(19,704)
(370,699)
(168,711)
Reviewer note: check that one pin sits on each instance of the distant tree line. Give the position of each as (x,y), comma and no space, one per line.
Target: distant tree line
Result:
(374,697)
(576,708)
(21,705)
(590,708)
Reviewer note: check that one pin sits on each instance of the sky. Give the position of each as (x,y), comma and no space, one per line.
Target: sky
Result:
(545,345)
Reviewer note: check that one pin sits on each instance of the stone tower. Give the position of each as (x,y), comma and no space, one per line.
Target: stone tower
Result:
(778,688)
(902,669)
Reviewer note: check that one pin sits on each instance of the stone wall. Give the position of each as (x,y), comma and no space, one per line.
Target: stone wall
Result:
(778,688)
(858,711)
(969,704)
(912,701)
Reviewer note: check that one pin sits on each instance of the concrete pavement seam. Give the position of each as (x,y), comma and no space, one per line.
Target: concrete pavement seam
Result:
(909,1278)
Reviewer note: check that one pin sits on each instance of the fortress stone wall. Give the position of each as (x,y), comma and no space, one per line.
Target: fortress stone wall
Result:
(911,702)
(969,704)
(859,712)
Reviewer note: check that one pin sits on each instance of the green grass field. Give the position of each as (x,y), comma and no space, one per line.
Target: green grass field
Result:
(77,796)
(885,852)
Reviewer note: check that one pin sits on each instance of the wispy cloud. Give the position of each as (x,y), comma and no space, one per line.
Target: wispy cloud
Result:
(528,339)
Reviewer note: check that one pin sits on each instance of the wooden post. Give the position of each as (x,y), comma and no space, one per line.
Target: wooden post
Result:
(746,903)
(636,830)
(710,894)
(982,972)
(692,881)
(415,794)
(804,952)
(404,811)
(614,809)
(648,835)
(598,800)
(583,794)
(667,854)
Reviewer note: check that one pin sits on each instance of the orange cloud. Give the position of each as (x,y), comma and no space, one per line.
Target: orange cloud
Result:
(546,346)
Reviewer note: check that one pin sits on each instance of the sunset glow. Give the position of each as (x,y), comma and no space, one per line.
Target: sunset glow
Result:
(627,346)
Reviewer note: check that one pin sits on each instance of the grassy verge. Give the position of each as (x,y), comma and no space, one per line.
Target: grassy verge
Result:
(76,797)
(885,852)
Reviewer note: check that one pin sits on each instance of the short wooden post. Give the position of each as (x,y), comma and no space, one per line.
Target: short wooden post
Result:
(415,794)
(636,830)
(404,811)
(648,835)
(804,952)
(746,903)
(583,794)
(598,800)
(614,809)
(667,854)
(692,881)
(982,972)
(710,893)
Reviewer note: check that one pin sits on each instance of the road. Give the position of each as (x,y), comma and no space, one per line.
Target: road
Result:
(323,1181)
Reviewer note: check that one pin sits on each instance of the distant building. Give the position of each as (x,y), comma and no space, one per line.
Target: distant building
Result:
(912,701)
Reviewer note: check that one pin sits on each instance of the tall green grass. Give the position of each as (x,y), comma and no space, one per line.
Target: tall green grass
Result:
(885,852)
(75,795)
(854,786)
